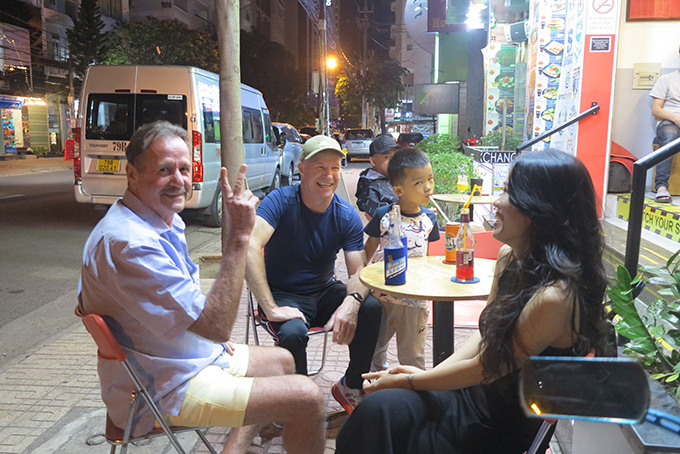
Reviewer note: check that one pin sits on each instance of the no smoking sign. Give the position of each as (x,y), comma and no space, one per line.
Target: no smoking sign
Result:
(603,6)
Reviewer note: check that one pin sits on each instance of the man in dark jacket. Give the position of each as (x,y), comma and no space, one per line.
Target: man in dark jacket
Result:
(373,188)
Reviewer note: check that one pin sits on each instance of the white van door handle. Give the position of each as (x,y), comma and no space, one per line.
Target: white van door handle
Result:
(264,151)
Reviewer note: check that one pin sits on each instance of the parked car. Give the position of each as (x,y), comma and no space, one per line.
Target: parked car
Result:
(305,137)
(311,130)
(409,139)
(357,143)
(290,143)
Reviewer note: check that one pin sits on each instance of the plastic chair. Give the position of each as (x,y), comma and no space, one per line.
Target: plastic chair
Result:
(110,349)
(466,313)
(257,318)
(486,246)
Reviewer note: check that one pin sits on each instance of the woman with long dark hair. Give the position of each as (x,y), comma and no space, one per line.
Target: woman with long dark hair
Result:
(546,299)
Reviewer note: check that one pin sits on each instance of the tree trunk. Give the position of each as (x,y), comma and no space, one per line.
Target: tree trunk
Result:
(383,122)
(231,132)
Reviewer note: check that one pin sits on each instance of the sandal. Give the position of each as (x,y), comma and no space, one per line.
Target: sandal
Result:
(663,196)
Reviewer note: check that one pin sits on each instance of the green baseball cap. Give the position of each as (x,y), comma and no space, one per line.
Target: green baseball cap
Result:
(318,144)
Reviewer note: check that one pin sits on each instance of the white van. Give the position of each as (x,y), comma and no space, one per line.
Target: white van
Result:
(117,100)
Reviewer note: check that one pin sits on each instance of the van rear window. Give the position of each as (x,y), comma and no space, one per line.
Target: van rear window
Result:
(117,116)
(359,134)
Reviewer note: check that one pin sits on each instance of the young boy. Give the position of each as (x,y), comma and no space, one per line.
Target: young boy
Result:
(411,176)
(373,189)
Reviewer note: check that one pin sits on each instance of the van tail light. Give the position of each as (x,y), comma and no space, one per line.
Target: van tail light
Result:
(77,170)
(197,156)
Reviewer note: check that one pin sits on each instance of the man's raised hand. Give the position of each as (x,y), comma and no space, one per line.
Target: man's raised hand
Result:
(238,204)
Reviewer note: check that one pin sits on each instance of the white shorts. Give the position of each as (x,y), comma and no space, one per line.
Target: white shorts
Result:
(217,396)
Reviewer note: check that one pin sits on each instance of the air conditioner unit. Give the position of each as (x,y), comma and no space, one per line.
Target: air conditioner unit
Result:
(516,32)
(517,6)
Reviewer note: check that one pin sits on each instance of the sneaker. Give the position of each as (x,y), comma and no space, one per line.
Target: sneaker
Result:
(348,397)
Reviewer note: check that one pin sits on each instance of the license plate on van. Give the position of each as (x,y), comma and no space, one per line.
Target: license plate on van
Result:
(108,165)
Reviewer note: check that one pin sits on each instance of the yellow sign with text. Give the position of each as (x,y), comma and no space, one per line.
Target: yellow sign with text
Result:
(662,219)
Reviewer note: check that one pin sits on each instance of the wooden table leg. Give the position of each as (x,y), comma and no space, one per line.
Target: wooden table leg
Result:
(442,330)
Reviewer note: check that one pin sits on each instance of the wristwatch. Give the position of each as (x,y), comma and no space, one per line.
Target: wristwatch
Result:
(357,296)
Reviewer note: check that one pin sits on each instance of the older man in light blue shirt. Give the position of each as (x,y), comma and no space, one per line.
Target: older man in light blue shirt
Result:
(137,274)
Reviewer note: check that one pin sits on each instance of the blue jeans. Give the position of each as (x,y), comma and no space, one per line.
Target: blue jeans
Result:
(666,132)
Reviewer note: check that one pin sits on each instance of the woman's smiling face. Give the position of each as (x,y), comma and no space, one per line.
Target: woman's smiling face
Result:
(511,226)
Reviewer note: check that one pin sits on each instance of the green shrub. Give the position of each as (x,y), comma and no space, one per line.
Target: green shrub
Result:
(440,143)
(654,338)
(448,162)
(495,139)
(40,150)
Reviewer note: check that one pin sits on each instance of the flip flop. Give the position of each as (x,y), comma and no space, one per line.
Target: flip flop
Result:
(663,197)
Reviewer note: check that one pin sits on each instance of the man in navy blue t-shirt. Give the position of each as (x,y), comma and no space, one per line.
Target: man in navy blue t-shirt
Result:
(302,228)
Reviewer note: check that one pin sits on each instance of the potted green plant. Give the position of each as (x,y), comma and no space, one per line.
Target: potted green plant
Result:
(448,163)
(495,139)
(654,337)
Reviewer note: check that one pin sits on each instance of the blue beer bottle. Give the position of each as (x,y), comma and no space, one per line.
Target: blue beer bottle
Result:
(395,251)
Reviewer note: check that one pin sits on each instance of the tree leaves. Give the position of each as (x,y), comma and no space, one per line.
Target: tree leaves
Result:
(651,339)
(381,85)
(86,41)
(162,42)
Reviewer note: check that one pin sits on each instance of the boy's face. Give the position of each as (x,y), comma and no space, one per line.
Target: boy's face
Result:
(417,187)
(381,161)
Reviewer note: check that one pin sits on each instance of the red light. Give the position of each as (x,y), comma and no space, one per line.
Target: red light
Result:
(197,156)
(77,172)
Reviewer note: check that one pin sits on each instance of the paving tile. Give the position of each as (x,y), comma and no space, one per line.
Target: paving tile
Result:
(40,418)
(16,439)
(22,394)
(8,414)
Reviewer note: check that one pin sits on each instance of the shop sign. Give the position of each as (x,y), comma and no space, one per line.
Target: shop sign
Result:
(496,157)
(446,17)
(431,99)
(10,102)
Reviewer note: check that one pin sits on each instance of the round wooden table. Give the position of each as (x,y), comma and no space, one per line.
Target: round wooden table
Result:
(428,278)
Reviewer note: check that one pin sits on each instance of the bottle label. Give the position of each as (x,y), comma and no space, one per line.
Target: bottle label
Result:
(395,266)
(465,270)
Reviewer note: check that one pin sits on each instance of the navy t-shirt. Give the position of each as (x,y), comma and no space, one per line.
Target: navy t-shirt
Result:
(300,255)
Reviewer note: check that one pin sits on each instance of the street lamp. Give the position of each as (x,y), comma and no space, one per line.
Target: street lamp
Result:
(331,63)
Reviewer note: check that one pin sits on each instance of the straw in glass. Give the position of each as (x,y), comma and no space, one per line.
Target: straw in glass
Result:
(439,209)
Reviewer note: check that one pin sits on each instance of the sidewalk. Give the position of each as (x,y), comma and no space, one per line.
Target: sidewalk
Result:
(50,401)
(27,164)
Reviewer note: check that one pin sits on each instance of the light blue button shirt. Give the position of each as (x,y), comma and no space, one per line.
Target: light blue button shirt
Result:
(138,276)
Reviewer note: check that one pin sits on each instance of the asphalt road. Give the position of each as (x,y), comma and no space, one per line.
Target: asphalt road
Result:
(42,234)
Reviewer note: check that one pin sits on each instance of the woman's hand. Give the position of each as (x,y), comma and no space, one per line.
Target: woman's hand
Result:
(395,377)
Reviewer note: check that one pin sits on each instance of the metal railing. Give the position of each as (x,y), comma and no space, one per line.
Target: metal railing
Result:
(637,201)
(592,111)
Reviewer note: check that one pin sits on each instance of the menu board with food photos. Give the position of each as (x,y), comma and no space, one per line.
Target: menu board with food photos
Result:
(555,58)
(500,82)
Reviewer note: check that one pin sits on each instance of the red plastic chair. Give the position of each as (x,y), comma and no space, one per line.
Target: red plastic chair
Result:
(486,246)
(466,313)
(110,349)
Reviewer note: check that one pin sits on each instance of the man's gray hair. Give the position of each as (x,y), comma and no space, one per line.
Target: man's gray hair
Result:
(145,136)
